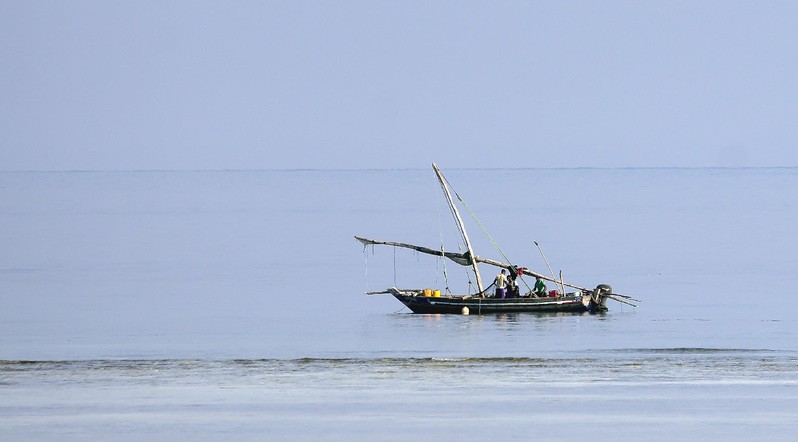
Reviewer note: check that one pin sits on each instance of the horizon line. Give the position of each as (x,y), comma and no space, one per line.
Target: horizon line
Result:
(385,169)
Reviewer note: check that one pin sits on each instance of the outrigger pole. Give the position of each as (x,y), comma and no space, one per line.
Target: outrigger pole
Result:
(460,226)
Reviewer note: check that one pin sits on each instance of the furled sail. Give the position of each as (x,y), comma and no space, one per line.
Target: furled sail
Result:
(460,258)
(464,259)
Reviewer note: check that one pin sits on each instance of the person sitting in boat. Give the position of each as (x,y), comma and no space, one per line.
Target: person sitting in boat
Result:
(501,284)
(540,287)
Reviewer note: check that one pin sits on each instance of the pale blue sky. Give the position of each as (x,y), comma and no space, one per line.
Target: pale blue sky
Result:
(377,84)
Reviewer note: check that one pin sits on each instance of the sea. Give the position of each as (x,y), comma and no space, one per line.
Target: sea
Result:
(232,305)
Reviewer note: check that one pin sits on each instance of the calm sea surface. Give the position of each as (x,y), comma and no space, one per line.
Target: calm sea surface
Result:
(230,305)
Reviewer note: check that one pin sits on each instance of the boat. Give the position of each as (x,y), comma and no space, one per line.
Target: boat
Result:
(569,298)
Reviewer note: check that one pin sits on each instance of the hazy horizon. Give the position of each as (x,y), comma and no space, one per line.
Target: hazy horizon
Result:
(377,169)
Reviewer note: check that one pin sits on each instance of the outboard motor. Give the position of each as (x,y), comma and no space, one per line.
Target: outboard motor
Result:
(603,289)
(599,295)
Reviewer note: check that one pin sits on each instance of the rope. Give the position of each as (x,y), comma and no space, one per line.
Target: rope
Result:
(486,289)
(445,273)
(449,206)
(468,273)
(366,265)
(394,268)
(454,215)
(484,230)
(440,234)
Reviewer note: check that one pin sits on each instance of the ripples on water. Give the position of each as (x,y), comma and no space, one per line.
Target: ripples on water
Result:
(650,394)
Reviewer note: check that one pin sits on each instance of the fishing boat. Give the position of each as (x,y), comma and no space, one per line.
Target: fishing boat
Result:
(573,299)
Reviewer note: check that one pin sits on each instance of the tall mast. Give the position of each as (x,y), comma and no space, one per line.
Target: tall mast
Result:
(460,225)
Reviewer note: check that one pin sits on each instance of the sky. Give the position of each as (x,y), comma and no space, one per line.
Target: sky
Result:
(186,85)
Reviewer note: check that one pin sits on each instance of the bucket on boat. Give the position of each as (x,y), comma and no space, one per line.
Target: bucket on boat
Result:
(553,293)
(427,292)
(436,294)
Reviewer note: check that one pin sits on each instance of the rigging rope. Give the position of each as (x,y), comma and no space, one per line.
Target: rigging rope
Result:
(440,234)
(445,273)
(449,206)
(468,273)
(366,265)
(484,230)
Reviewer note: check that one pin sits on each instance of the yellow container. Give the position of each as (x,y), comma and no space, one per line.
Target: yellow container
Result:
(427,292)
(436,294)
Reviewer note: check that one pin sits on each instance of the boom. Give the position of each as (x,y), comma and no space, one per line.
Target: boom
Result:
(464,259)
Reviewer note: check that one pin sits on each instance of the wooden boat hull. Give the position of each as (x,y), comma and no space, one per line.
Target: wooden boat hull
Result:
(480,306)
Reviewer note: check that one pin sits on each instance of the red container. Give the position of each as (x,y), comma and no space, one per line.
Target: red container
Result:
(553,293)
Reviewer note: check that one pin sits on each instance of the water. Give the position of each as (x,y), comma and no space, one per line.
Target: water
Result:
(230,304)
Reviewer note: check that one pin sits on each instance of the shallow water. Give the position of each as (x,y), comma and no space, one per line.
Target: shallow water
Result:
(230,304)
(656,394)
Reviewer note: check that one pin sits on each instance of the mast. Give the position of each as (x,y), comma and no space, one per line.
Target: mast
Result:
(460,225)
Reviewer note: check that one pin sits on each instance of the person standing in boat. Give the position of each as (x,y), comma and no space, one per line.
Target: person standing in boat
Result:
(501,284)
(540,287)
(512,286)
